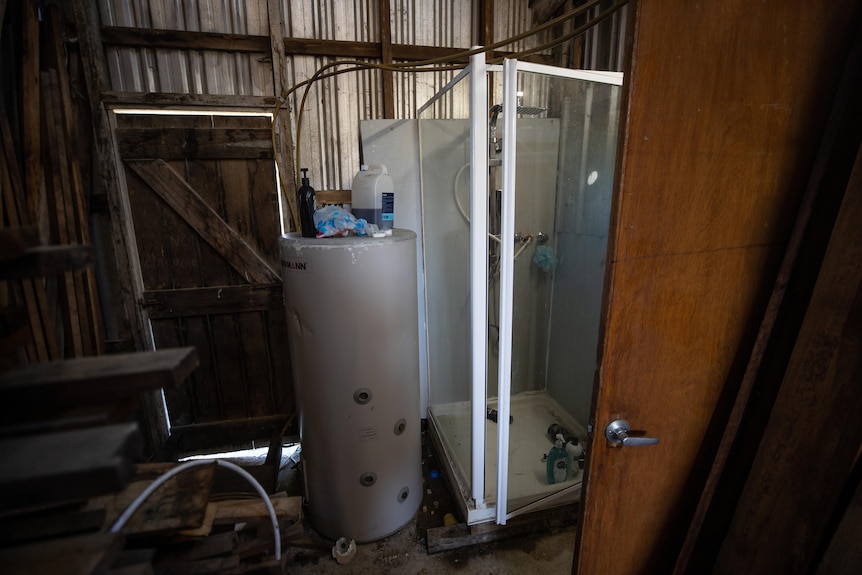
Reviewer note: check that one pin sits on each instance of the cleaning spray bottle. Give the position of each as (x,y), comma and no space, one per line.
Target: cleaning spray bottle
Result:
(574,451)
(558,462)
(305,199)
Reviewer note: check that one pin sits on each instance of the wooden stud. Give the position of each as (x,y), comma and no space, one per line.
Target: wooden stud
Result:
(95,379)
(284,152)
(41,323)
(85,283)
(30,97)
(57,183)
(386,57)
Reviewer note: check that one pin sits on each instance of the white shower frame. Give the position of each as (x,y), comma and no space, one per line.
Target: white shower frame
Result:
(478,70)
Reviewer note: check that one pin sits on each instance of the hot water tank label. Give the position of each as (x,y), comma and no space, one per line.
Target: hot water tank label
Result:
(367,434)
(296,265)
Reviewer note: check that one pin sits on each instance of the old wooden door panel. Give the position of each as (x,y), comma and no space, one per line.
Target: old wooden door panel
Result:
(205,221)
(203,201)
(722,115)
(814,425)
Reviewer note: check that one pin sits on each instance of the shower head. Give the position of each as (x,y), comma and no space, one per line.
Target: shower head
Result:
(522,110)
(531,110)
(495,111)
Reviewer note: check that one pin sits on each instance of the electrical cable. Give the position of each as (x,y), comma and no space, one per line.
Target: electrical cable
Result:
(419,66)
(139,500)
(598,19)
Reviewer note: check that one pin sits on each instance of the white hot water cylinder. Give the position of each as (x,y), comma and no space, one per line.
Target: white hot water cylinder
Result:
(352,319)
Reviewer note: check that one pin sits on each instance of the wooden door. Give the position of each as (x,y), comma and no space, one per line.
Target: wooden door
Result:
(204,212)
(724,108)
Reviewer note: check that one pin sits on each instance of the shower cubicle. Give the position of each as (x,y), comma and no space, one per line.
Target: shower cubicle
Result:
(517,166)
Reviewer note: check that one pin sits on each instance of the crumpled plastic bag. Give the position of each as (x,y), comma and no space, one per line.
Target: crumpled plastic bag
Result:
(332,221)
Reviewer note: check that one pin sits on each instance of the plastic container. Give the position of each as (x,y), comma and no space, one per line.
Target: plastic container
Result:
(558,462)
(373,196)
(305,199)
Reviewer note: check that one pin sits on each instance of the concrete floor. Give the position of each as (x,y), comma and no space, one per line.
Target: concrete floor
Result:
(548,552)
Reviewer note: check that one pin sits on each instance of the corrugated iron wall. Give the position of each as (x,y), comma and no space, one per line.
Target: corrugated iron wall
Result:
(329,138)
(186,71)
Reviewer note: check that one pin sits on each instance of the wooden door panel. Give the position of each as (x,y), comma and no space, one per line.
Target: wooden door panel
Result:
(204,220)
(204,207)
(663,372)
(723,110)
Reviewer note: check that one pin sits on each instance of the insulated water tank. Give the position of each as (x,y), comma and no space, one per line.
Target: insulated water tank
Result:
(353,333)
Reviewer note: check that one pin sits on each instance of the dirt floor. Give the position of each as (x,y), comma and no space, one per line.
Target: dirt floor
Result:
(548,551)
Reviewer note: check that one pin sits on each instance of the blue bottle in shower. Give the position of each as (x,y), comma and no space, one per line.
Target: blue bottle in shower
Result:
(558,462)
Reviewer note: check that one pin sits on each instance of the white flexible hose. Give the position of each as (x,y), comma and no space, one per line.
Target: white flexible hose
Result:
(130,510)
(458,201)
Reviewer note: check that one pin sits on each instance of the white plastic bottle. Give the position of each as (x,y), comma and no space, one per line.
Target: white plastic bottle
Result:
(373,196)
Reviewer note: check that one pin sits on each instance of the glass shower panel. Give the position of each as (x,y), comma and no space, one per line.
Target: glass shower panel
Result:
(564,165)
(445,150)
(564,142)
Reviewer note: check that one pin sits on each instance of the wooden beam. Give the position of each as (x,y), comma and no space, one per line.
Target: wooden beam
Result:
(230,512)
(182,40)
(386,57)
(174,100)
(333,196)
(543,10)
(107,181)
(50,417)
(194,143)
(44,261)
(94,379)
(72,465)
(63,227)
(212,300)
(372,51)
(44,346)
(486,22)
(43,524)
(217,435)
(284,144)
(192,208)
(460,535)
(80,555)
(85,283)
(31,129)
(180,503)
(105,173)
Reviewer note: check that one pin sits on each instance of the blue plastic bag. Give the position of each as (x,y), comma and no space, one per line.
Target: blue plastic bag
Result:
(332,221)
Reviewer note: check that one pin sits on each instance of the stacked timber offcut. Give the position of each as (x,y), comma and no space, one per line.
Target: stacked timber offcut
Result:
(43,201)
(182,527)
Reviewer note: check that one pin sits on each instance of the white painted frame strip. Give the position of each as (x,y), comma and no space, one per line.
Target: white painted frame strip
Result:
(478,270)
(602,77)
(507,264)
